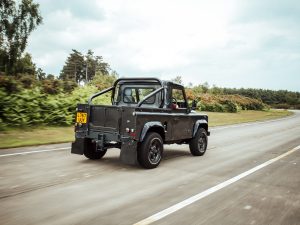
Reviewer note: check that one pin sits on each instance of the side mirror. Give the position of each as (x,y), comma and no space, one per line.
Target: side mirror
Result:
(194,104)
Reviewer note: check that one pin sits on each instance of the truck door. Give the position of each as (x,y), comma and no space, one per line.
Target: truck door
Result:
(181,121)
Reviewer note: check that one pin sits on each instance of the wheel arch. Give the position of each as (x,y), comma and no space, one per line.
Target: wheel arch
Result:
(153,126)
(200,124)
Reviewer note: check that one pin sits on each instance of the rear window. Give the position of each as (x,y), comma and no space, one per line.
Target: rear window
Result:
(133,95)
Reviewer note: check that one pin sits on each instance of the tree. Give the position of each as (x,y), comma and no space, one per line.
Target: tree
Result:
(50,77)
(94,64)
(102,81)
(24,65)
(215,90)
(102,66)
(40,74)
(17,21)
(205,87)
(90,65)
(83,68)
(74,68)
(178,79)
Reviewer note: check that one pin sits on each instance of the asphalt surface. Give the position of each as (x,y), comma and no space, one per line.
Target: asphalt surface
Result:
(56,187)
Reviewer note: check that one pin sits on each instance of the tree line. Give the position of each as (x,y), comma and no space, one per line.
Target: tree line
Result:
(79,67)
(278,99)
(275,98)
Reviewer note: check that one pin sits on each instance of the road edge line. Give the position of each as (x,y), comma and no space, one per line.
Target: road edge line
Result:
(203,194)
(37,151)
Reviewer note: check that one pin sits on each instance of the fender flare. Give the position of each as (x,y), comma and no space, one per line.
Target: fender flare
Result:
(149,125)
(197,125)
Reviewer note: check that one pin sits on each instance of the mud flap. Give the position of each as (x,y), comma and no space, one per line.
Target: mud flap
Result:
(129,152)
(78,146)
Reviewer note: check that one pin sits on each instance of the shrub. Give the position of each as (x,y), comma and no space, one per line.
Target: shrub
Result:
(27,80)
(51,86)
(229,103)
(219,108)
(9,84)
(22,108)
(230,106)
(69,86)
(102,81)
(189,94)
(34,107)
(286,106)
(211,107)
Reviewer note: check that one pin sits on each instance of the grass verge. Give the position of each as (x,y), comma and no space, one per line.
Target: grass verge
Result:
(35,136)
(49,135)
(220,119)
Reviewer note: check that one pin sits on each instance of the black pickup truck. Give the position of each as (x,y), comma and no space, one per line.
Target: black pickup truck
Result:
(145,114)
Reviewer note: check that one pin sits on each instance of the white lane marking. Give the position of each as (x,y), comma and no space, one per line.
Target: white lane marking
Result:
(25,153)
(251,123)
(210,191)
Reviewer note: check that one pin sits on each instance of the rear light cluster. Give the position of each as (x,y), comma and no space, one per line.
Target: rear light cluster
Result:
(131,132)
(77,125)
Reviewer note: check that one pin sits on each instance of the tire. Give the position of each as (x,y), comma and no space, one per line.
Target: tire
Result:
(150,151)
(91,153)
(198,144)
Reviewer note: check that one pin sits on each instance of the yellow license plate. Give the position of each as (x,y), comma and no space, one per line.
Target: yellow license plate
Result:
(81,117)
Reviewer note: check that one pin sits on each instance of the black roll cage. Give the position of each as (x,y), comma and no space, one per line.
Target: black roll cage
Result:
(156,80)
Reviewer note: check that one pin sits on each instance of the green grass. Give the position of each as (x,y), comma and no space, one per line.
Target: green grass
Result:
(35,136)
(219,119)
(49,135)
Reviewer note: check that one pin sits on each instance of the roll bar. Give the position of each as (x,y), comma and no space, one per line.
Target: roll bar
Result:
(139,79)
(149,96)
(99,93)
(129,79)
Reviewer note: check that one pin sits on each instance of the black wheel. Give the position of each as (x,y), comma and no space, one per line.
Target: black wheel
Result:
(91,153)
(198,144)
(150,151)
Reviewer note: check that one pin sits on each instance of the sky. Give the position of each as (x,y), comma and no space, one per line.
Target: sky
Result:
(232,43)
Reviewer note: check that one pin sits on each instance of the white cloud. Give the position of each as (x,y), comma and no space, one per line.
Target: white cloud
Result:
(214,41)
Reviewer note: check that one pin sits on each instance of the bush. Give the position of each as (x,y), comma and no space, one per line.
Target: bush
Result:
(69,86)
(9,84)
(189,94)
(229,103)
(52,86)
(27,80)
(22,108)
(230,106)
(211,107)
(33,107)
(2,125)
(219,108)
(102,81)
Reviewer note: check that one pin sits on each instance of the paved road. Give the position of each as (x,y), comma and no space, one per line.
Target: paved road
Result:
(55,187)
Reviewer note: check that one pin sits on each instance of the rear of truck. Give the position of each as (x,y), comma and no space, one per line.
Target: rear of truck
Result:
(100,127)
(140,121)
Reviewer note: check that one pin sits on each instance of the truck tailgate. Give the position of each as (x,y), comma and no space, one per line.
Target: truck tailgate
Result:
(105,118)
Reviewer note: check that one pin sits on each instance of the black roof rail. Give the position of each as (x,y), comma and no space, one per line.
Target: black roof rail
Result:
(139,79)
